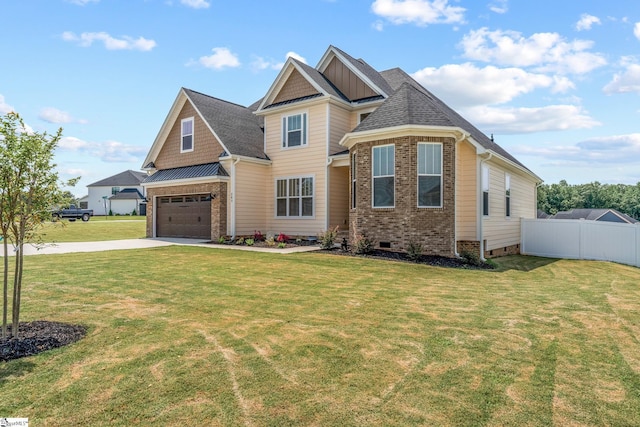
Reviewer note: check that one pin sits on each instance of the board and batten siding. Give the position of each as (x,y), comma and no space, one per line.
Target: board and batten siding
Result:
(309,160)
(498,229)
(252,182)
(466,192)
(206,147)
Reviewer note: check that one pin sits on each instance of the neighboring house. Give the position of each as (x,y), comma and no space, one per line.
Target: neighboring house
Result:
(121,194)
(608,215)
(83,202)
(341,144)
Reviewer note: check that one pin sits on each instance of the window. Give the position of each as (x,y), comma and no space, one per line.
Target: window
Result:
(507,195)
(363,116)
(383,176)
(294,197)
(115,190)
(485,190)
(429,175)
(294,130)
(187,135)
(354,159)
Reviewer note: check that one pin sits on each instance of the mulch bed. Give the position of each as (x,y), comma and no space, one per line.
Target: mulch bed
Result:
(433,260)
(38,336)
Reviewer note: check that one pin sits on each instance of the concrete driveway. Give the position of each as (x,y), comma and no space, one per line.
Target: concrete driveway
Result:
(111,245)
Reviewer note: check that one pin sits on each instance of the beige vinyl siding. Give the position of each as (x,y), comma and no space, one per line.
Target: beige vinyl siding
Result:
(252,182)
(500,231)
(466,192)
(339,198)
(206,147)
(309,160)
(339,125)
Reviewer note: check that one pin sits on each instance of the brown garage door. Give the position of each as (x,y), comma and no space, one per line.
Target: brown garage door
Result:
(184,216)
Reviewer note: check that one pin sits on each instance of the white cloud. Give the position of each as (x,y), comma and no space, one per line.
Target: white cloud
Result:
(626,82)
(586,22)
(499,6)
(4,107)
(196,4)
(221,58)
(464,85)
(53,115)
(420,12)
(108,151)
(110,43)
(259,63)
(515,120)
(547,52)
(378,25)
(614,149)
(82,2)
(636,30)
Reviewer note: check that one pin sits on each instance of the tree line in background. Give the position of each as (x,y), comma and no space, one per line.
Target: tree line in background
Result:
(553,198)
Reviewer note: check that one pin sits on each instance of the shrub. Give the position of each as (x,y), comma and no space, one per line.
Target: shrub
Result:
(362,245)
(221,240)
(471,258)
(257,236)
(249,242)
(134,213)
(282,245)
(414,251)
(282,238)
(240,241)
(328,238)
(270,241)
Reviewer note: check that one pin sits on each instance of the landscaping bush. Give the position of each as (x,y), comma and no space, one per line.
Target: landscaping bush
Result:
(414,251)
(328,238)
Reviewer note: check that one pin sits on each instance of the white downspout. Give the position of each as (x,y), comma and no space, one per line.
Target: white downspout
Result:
(455,217)
(480,214)
(233,198)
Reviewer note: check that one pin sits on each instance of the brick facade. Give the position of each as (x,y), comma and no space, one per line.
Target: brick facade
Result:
(396,227)
(498,252)
(218,205)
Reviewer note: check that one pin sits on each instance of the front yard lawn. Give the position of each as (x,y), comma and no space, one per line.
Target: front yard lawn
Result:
(199,336)
(96,229)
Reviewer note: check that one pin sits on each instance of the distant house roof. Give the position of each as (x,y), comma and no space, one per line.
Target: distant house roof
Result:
(609,215)
(128,194)
(239,130)
(127,178)
(187,172)
(542,214)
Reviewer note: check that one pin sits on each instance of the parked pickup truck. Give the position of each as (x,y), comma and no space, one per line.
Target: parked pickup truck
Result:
(73,213)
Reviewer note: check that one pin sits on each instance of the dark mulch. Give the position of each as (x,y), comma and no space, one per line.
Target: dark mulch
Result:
(38,336)
(438,261)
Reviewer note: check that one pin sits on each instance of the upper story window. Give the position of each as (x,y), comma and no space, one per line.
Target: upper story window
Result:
(115,190)
(294,130)
(383,158)
(429,175)
(507,195)
(294,197)
(485,190)
(186,139)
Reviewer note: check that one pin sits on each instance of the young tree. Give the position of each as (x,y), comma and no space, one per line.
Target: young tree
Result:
(29,186)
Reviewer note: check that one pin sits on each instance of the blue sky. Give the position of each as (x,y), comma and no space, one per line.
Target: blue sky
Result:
(556,82)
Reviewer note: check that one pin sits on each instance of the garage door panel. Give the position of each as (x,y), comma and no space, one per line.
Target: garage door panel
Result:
(184,216)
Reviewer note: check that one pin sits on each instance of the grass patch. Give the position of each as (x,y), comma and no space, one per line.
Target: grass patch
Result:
(198,336)
(97,229)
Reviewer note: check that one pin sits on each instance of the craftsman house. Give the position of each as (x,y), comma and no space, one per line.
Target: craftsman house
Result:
(341,144)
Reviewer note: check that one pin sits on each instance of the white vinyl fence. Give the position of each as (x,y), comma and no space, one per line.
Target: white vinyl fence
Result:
(581,239)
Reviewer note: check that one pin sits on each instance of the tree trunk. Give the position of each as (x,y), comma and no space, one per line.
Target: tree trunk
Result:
(5,288)
(17,283)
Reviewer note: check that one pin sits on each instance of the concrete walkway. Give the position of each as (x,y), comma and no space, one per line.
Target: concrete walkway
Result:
(111,245)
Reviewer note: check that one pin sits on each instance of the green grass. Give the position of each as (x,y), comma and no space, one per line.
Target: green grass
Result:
(198,336)
(97,229)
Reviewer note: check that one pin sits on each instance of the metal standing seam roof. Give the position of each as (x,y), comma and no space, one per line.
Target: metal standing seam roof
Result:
(187,172)
(239,130)
(123,179)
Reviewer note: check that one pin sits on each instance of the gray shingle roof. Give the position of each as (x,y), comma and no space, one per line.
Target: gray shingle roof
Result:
(239,130)
(128,194)
(320,80)
(593,214)
(197,171)
(397,77)
(127,178)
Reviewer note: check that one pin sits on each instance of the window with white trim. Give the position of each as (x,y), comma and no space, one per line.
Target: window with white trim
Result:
(294,130)
(354,158)
(186,137)
(485,190)
(507,195)
(429,175)
(383,159)
(294,197)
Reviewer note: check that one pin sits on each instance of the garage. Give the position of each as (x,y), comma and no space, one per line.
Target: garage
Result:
(184,216)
